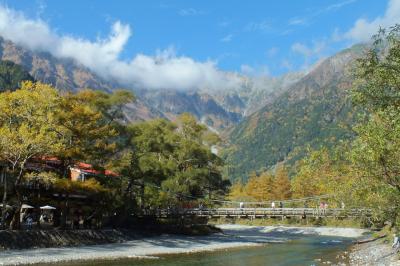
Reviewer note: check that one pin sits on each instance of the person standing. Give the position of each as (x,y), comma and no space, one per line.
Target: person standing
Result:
(325,207)
(273,205)
(396,243)
(29,222)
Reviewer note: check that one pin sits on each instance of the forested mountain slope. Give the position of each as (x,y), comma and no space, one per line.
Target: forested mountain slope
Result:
(314,111)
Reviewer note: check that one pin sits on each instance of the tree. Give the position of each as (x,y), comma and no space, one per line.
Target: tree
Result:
(236,191)
(12,76)
(28,129)
(313,175)
(282,186)
(265,189)
(175,157)
(252,186)
(377,79)
(90,125)
(377,89)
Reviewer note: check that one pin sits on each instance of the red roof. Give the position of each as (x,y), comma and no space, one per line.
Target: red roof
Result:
(88,168)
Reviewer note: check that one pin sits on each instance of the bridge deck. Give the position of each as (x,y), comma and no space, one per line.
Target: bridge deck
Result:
(266,212)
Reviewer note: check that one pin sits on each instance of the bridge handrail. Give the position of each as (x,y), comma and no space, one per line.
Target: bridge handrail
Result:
(265,211)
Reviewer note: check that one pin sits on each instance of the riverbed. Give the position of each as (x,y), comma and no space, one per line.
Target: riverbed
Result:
(261,245)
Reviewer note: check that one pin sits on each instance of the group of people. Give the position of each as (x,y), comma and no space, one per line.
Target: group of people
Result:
(27,218)
(241,205)
(323,206)
(273,205)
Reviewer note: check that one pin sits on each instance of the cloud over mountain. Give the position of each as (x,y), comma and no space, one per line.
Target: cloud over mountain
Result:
(363,28)
(165,69)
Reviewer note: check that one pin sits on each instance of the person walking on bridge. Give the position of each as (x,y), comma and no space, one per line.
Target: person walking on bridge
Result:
(321,208)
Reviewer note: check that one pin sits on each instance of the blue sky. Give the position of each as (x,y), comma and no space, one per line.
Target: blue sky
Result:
(254,37)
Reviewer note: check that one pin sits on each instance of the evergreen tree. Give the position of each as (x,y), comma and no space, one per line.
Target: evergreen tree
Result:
(12,75)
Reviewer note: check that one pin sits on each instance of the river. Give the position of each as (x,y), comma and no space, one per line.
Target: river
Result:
(237,245)
(304,250)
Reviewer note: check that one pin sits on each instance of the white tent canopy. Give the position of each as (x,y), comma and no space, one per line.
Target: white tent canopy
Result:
(26,206)
(47,207)
(7,206)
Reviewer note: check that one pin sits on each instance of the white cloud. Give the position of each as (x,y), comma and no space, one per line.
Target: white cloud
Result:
(315,13)
(224,23)
(363,28)
(286,64)
(339,5)
(246,69)
(163,70)
(301,49)
(190,12)
(297,21)
(310,53)
(315,50)
(258,26)
(255,71)
(227,38)
(272,51)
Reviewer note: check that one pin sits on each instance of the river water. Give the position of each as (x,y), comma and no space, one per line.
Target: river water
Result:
(304,250)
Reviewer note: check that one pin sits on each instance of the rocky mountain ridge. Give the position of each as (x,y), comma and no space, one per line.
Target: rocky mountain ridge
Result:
(217,109)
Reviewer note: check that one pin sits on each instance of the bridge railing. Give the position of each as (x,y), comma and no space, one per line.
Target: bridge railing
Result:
(263,212)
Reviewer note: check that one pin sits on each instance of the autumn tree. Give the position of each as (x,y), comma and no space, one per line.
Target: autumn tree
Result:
(28,129)
(252,185)
(376,150)
(91,125)
(236,191)
(281,185)
(265,190)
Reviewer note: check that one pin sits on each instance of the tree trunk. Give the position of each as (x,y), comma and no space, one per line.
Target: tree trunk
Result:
(15,223)
(4,208)
(64,213)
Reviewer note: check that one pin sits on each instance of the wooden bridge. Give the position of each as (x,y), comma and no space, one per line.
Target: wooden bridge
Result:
(253,213)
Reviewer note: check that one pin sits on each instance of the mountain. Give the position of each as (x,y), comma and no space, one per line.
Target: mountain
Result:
(201,105)
(266,119)
(224,108)
(219,110)
(254,92)
(314,111)
(66,75)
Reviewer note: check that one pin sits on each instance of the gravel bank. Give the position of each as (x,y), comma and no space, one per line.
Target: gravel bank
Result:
(287,230)
(150,247)
(373,253)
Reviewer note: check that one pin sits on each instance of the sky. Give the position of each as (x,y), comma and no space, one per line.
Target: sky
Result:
(184,44)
